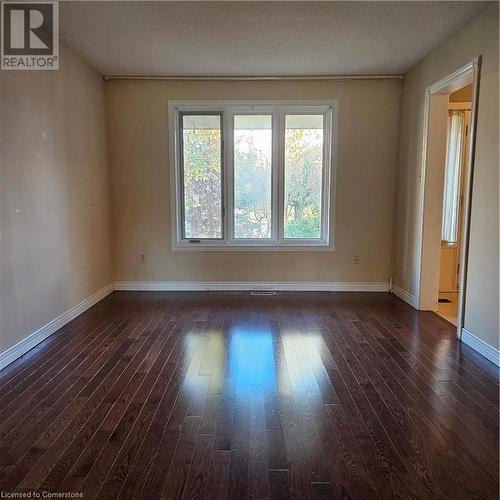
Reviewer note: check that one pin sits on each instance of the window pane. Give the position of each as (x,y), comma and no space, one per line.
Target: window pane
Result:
(202,176)
(253,143)
(303,175)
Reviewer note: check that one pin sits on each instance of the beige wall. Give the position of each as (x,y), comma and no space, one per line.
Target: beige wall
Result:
(448,269)
(480,37)
(366,169)
(462,95)
(54,190)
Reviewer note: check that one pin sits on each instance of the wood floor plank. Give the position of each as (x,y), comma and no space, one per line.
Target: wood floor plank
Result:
(96,408)
(447,412)
(405,437)
(280,484)
(128,472)
(93,450)
(423,437)
(59,390)
(218,482)
(397,468)
(176,480)
(120,418)
(221,396)
(421,410)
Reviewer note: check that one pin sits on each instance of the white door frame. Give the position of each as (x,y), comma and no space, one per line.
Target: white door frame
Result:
(472,68)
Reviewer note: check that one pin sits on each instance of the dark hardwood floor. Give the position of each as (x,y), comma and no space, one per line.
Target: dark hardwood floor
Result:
(231,396)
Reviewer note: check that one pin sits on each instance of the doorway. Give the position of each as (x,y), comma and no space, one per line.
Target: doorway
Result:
(445,197)
(459,109)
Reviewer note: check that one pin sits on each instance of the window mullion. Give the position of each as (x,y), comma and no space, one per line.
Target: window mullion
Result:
(228,176)
(327,176)
(325,187)
(274,178)
(280,167)
(177,175)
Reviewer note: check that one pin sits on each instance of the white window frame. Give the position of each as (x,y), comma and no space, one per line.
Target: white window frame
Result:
(278,110)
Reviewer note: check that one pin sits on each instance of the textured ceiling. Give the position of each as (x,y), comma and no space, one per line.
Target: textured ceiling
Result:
(259,38)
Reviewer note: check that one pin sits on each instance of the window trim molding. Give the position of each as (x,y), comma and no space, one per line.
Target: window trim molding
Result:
(279,108)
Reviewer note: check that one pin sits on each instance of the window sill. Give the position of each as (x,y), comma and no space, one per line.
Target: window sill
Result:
(196,247)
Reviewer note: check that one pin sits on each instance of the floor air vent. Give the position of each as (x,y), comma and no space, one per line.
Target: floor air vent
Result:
(262,293)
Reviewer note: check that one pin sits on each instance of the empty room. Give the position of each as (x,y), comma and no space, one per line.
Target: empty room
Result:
(249,250)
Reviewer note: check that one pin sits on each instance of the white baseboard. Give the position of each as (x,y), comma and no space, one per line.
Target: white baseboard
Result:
(404,295)
(16,351)
(252,285)
(481,347)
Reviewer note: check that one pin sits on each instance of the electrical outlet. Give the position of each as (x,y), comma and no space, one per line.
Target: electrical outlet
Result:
(142,258)
(355,259)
